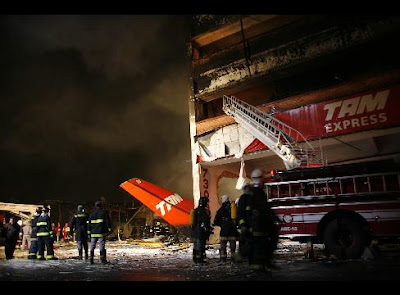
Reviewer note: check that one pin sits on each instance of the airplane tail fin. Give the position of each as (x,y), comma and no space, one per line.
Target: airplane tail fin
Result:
(170,206)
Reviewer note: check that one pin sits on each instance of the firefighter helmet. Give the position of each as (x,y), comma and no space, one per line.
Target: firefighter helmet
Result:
(257,175)
(203,201)
(80,208)
(224,198)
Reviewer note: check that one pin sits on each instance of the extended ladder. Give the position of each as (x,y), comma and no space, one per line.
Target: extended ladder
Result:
(276,135)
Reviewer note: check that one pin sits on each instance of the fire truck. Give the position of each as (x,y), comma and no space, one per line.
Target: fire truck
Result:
(342,206)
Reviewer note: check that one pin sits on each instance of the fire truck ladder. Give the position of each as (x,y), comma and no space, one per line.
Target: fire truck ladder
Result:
(276,135)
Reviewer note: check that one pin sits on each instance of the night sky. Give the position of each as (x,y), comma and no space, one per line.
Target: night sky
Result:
(88,102)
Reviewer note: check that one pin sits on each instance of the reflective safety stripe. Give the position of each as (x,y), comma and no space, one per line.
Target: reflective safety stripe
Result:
(256,266)
(241,221)
(88,232)
(97,235)
(81,215)
(97,221)
(227,238)
(258,234)
(43,234)
(31,254)
(50,256)
(248,208)
(33,239)
(41,223)
(39,256)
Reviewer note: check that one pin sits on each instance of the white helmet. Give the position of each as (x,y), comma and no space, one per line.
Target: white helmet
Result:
(224,198)
(257,175)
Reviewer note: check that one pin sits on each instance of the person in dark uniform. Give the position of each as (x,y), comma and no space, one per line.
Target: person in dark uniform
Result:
(158,229)
(33,249)
(99,228)
(79,226)
(243,217)
(201,229)
(11,234)
(256,222)
(226,219)
(45,235)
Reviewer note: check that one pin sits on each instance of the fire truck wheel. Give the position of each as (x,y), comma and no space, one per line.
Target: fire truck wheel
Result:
(345,238)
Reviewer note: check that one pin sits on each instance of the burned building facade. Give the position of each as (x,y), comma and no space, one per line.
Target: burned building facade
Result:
(332,80)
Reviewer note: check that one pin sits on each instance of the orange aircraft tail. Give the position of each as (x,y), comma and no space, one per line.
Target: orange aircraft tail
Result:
(170,206)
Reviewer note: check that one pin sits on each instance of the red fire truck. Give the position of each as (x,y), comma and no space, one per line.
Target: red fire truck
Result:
(341,206)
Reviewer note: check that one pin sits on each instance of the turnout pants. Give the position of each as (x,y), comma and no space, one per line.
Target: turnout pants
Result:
(33,249)
(47,242)
(199,250)
(258,253)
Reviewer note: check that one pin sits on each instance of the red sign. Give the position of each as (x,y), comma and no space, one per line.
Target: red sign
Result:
(364,111)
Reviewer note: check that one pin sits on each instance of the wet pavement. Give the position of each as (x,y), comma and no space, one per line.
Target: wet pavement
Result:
(157,262)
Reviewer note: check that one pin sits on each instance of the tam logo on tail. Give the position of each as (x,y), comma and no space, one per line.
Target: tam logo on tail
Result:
(168,201)
(169,205)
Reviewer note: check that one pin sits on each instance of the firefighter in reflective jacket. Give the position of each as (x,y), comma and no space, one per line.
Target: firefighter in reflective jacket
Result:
(99,228)
(256,222)
(79,226)
(226,219)
(34,242)
(201,229)
(45,235)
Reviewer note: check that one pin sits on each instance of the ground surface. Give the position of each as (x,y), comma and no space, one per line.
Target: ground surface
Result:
(134,261)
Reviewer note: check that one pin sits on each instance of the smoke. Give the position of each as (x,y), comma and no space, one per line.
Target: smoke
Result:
(88,102)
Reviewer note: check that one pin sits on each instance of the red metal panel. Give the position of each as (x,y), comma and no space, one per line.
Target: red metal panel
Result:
(363,111)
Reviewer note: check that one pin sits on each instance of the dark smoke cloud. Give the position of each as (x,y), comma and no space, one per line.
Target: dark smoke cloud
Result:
(88,102)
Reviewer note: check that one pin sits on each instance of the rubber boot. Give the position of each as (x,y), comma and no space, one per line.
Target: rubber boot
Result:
(233,256)
(86,256)
(103,257)
(198,256)
(80,254)
(194,256)
(222,256)
(91,257)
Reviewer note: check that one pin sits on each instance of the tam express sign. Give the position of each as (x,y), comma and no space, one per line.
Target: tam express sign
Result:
(369,110)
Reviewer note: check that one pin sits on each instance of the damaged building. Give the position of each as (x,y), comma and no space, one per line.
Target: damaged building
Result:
(331,82)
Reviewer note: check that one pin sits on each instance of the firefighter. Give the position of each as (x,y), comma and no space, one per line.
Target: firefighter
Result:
(34,241)
(79,226)
(243,212)
(226,219)
(45,235)
(201,229)
(99,228)
(255,218)
(158,229)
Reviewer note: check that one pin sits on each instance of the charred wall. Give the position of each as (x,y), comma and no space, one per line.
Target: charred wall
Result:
(301,55)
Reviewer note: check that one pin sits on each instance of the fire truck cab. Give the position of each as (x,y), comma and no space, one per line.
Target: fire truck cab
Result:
(342,206)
